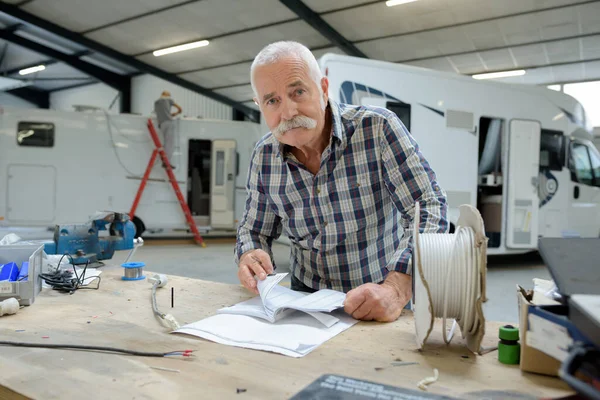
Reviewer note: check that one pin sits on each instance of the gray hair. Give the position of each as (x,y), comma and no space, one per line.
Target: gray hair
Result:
(280,50)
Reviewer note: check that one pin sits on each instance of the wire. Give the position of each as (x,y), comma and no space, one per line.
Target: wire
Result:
(452,271)
(154,306)
(114,147)
(64,281)
(183,353)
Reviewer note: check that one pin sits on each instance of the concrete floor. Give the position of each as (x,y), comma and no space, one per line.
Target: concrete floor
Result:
(215,263)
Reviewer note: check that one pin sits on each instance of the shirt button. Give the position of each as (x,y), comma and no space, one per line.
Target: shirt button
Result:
(325,223)
(318,191)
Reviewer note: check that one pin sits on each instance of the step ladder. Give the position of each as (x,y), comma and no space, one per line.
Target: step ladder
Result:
(159,150)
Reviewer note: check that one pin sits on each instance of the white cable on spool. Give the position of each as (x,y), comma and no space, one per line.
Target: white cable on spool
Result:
(449,278)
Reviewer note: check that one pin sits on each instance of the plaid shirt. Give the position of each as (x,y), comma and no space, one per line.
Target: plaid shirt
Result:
(344,223)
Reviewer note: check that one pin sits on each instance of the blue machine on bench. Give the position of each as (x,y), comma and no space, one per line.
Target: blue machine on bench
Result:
(83,243)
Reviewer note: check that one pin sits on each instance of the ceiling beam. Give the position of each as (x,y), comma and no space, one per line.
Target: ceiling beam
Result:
(75,86)
(238,62)
(223,35)
(110,78)
(477,21)
(135,17)
(40,98)
(128,60)
(504,47)
(538,66)
(46,62)
(15,70)
(319,24)
(118,82)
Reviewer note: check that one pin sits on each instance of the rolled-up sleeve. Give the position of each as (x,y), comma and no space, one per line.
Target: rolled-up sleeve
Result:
(410,179)
(260,225)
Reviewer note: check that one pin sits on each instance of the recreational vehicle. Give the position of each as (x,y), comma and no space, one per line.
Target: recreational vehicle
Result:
(62,167)
(521,154)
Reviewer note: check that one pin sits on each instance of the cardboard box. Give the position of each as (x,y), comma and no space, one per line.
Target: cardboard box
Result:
(532,360)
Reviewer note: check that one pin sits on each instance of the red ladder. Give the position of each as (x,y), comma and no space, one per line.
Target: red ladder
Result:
(186,211)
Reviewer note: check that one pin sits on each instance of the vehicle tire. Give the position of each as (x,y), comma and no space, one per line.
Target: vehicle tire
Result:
(452,228)
(139,227)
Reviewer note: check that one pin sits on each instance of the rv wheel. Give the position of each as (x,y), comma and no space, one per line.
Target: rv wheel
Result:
(139,226)
(452,228)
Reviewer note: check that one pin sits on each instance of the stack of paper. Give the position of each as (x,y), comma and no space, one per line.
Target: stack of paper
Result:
(272,322)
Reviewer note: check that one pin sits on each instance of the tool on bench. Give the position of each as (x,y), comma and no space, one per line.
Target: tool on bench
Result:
(83,243)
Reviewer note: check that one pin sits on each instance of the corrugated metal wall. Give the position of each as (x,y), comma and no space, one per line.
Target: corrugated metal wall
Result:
(8,100)
(146,89)
(97,95)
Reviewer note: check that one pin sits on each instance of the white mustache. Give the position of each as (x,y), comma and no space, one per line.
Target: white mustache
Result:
(299,121)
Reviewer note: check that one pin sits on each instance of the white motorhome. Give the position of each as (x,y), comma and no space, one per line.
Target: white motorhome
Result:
(61,167)
(596,140)
(521,154)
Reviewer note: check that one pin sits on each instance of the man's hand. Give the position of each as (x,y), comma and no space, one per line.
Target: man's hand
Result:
(254,263)
(383,302)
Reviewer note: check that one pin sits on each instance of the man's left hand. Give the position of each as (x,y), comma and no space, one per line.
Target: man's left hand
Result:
(384,302)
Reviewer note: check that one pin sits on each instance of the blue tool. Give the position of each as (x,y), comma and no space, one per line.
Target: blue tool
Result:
(9,272)
(83,244)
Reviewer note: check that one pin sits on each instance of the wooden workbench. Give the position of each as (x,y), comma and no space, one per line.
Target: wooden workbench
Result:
(119,314)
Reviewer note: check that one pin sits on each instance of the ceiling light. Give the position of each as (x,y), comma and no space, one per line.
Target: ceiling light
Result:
(392,3)
(181,47)
(501,74)
(31,70)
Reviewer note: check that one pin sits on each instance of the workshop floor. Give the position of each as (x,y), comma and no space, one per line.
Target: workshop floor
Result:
(215,263)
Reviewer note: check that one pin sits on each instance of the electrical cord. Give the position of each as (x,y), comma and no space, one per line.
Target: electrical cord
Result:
(64,281)
(154,306)
(103,349)
(160,280)
(451,261)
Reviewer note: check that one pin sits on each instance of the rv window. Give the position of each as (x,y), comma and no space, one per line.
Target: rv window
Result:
(38,134)
(402,110)
(581,168)
(220,173)
(595,159)
(552,150)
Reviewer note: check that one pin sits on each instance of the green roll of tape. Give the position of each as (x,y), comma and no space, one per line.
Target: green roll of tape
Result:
(509,350)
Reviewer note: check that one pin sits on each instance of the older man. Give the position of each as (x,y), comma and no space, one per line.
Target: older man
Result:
(340,181)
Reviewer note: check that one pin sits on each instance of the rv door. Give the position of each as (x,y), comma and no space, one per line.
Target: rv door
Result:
(523,166)
(222,189)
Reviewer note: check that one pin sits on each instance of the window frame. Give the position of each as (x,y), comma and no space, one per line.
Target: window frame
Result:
(47,141)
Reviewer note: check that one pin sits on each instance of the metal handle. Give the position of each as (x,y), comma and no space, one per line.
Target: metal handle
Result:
(568,369)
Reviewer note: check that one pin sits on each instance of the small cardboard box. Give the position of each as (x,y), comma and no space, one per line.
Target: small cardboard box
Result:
(532,360)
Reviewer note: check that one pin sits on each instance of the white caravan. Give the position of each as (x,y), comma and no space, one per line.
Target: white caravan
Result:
(61,167)
(521,154)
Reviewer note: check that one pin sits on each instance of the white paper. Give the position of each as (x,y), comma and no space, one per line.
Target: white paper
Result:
(276,302)
(294,336)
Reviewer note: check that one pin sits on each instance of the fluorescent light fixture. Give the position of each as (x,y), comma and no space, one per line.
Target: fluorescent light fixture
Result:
(181,47)
(502,74)
(392,3)
(31,70)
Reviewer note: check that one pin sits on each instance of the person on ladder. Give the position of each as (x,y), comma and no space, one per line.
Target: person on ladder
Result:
(166,124)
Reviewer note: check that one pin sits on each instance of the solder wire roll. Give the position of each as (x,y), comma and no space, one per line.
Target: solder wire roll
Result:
(450,264)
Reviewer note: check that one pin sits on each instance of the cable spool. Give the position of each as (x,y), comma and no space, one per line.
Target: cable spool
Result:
(133,271)
(449,281)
